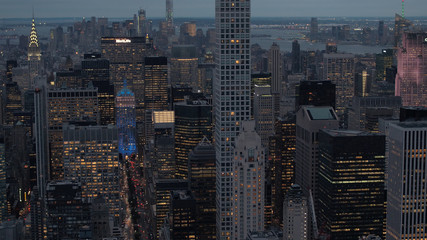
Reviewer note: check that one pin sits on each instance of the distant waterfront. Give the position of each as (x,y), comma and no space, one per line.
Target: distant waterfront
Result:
(284,39)
(264,36)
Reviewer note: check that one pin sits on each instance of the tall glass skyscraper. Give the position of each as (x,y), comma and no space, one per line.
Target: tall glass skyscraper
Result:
(34,54)
(169,16)
(126,121)
(406,182)
(411,78)
(193,122)
(231,98)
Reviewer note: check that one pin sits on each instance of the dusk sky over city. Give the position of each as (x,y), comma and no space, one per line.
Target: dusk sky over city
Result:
(205,8)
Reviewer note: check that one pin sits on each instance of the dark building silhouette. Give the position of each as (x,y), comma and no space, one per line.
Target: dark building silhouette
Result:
(413,114)
(70,78)
(13,102)
(159,194)
(177,94)
(296,57)
(10,65)
(193,122)
(201,175)
(351,183)
(383,61)
(380,33)
(281,165)
(314,29)
(100,219)
(156,83)
(316,93)
(183,215)
(67,211)
(97,71)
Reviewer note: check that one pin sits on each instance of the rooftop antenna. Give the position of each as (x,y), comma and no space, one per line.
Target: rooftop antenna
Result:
(403,8)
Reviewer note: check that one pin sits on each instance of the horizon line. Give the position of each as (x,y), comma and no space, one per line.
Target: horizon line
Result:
(210,17)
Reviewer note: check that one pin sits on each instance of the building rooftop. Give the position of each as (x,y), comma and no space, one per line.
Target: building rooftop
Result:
(420,124)
(321,113)
(125,91)
(348,133)
(265,235)
(182,195)
(163,117)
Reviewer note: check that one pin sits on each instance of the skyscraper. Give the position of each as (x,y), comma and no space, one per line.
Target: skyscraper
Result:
(169,17)
(10,65)
(160,146)
(281,166)
(13,102)
(351,179)
(275,68)
(261,79)
(193,122)
(296,57)
(34,54)
(201,176)
(339,69)
(314,29)
(383,61)
(263,113)
(141,26)
(205,73)
(401,24)
(187,32)
(100,219)
(231,99)
(309,122)
(316,93)
(126,56)
(41,137)
(65,105)
(97,70)
(161,197)
(155,91)
(406,181)
(295,215)
(126,121)
(156,83)
(91,157)
(248,182)
(183,214)
(380,39)
(411,78)
(67,211)
(365,111)
(183,66)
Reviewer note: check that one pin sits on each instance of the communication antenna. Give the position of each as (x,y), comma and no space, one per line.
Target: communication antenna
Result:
(403,8)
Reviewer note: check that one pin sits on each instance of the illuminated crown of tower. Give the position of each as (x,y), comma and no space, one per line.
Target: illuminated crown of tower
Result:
(34,41)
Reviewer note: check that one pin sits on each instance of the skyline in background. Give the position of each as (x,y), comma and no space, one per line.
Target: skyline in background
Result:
(205,8)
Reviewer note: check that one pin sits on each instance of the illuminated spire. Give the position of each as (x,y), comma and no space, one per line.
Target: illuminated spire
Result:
(403,8)
(34,41)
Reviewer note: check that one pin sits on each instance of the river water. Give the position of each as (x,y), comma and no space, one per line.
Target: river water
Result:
(283,37)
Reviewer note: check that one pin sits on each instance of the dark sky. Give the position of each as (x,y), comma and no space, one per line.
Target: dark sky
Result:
(205,8)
